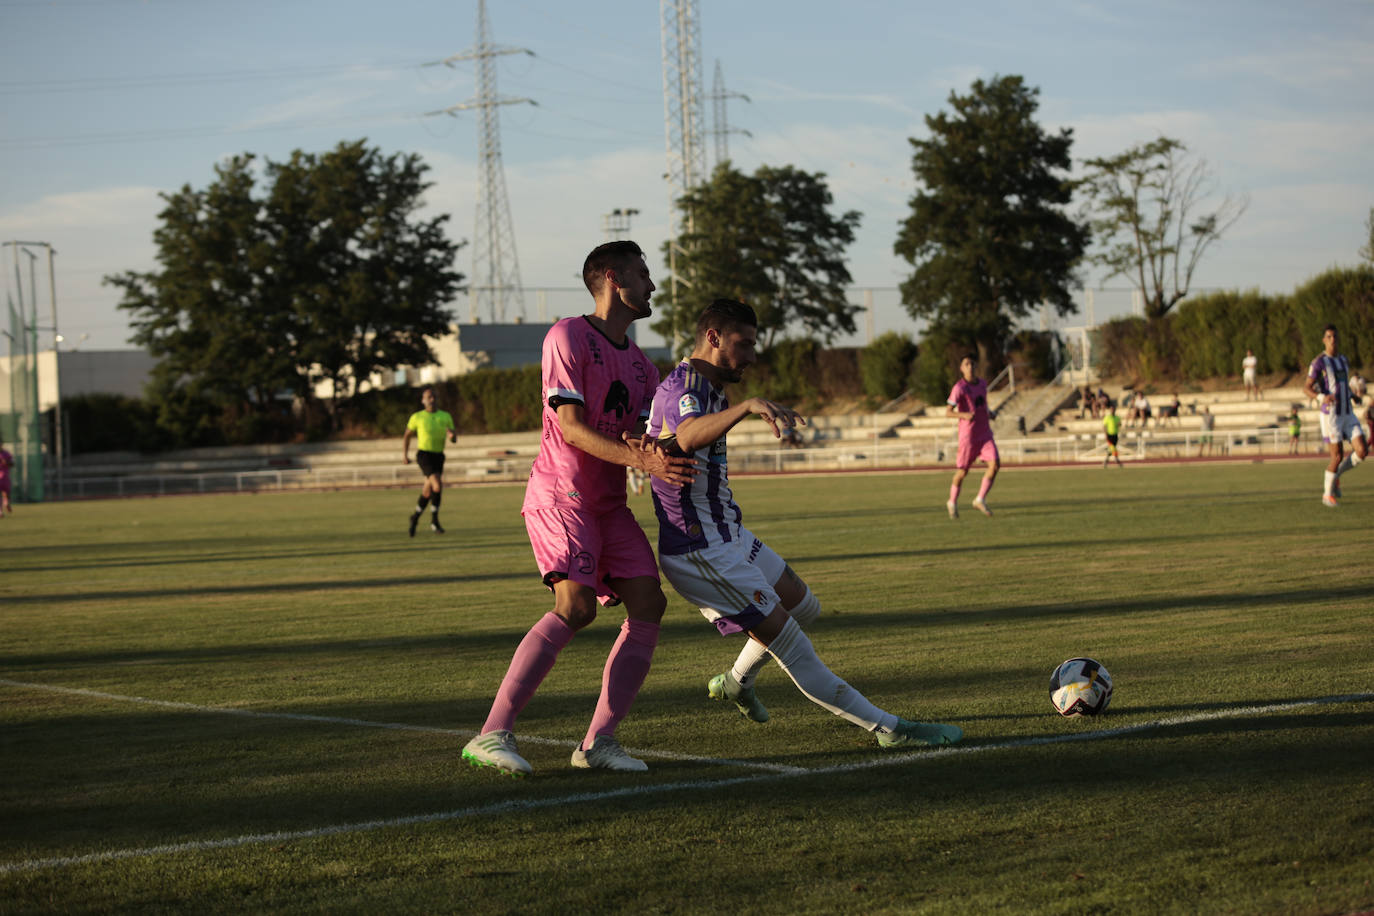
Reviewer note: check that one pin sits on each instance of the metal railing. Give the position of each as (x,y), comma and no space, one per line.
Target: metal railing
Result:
(938,448)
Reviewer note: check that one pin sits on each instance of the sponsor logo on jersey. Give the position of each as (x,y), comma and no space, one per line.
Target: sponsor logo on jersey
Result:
(688,404)
(617,399)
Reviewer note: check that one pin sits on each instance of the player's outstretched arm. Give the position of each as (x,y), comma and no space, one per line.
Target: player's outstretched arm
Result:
(694,432)
(405,446)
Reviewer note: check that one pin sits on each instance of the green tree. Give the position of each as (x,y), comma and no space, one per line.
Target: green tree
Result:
(988,235)
(1148,213)
(767,239)
(329,275)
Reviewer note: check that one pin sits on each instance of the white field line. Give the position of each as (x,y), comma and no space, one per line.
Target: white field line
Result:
(368,723)
(514,805)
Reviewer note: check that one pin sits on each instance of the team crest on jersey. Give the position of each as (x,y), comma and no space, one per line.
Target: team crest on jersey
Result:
(688,404)
(694,530)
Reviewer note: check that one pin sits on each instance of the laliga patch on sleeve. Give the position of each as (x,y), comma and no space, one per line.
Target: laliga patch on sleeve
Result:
(688,404)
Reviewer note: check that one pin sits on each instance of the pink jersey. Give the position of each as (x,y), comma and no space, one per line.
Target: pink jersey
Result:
(615,385)
(972,396)
(6,461)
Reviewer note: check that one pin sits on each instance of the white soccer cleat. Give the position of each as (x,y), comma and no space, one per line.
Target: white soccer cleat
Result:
(1329,501)
(953,508)
(607,754)
(982,507)
(497,750)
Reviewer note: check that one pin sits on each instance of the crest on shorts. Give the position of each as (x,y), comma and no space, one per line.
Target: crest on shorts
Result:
(758,597)
(694,530)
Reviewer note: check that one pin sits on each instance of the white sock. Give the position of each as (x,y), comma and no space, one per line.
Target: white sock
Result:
(1328,481)
(754,655)
(798,658)
(751,660)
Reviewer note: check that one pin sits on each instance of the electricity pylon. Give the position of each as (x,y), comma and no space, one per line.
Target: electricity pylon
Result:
(495,266)
(681,38)
(720,128)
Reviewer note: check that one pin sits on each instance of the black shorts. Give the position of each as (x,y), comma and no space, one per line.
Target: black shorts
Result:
(431,463)
(1111,439)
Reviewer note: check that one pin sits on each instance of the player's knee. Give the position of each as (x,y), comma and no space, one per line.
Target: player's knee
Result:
(806,610)
(579,609)
(648,607)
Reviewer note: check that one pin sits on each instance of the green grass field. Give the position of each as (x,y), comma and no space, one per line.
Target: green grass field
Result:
(257,703)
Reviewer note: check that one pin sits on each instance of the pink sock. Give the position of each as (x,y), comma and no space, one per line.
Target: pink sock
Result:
(626,668)
(533,659)
(954,492)
(983,490)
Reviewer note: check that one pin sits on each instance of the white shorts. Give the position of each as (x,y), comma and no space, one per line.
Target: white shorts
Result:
(1249,376)
(1341,428)
(732,583)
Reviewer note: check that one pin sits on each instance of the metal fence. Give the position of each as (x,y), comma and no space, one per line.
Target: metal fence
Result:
(917,452)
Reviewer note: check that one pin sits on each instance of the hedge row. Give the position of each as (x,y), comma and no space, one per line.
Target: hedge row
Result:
(1207,337)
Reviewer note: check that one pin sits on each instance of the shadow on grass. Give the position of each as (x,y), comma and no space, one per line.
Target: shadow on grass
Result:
(288,551)
(187,777)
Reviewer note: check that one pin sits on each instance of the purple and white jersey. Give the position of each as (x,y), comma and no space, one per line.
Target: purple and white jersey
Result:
(702,512)
(1331,375)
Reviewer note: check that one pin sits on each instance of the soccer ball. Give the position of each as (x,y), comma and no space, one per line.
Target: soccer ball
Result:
(1080,687)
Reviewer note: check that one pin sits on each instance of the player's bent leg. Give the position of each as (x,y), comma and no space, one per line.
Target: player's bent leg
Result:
(818,683)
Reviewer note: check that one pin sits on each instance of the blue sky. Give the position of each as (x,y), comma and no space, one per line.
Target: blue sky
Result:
(106,103)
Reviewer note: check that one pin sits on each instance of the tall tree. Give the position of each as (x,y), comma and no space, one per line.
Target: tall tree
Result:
(1145,207)
(988,234)
(329,275)
(768,239)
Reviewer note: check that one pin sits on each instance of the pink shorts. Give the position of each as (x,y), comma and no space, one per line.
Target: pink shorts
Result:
(590,549)
(971,450)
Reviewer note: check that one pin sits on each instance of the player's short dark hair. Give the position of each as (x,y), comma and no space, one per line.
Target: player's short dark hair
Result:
(611,256)
(725,315)
(973,357)
(1330,327)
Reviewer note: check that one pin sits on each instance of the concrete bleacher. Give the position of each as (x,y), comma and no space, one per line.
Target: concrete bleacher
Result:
(1231,409)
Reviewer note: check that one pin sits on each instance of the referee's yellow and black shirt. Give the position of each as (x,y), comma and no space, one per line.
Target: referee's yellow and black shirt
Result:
(430,428)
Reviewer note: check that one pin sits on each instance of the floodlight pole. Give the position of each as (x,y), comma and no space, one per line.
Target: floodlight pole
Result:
(58,449)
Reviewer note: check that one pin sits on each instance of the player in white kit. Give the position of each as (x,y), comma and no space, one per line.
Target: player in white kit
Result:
(713,561)
(1328,381)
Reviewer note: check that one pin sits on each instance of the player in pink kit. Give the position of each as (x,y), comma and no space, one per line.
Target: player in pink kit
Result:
(969,402)
(598,387)
(6,462)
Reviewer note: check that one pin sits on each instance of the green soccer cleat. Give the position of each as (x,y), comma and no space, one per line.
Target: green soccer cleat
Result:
(720,687)
(910,734)
(497,750)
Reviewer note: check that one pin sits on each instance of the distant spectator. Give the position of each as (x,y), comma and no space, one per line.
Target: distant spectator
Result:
(1086,407)
(1249,366)
(791,438)
(1209,422)
(1142,410)
(1170,412)
(1294,431)
(1100,404)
